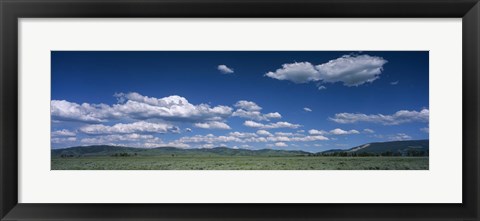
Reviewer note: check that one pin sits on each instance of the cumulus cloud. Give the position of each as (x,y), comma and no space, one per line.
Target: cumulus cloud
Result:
(368,131)
(263,133)
(273,115)
(247,105)
(131,140)
(336,131)
(298,72)
(400,117)
(251,110)
(262,136)
(317,132)
(208,146)
(114,138)
(88,113)
(121,128)
(256,115)
(399,137)
(136,106)
(281,144)
(58,140)
(171,108)
(63,133)
(351,70)
(307,109)
(153,144)
(339,131)
(224,69)
(209,138)
(306,138)
(280,124)
(213,125)
(242,134)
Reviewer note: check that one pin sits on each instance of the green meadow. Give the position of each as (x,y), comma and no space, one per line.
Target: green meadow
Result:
(238,163)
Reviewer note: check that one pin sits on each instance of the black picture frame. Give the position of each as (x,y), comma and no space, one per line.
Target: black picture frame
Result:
(12,10)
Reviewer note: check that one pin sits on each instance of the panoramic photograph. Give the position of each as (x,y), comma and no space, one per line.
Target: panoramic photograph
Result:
(239,110)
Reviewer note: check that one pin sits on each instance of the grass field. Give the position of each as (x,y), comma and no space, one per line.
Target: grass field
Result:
(239,163)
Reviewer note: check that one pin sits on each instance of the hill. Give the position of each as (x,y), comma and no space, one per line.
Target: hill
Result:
(394,148)
(105,150)
(399,148)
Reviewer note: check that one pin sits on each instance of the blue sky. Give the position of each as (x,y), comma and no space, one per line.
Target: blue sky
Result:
(307,100)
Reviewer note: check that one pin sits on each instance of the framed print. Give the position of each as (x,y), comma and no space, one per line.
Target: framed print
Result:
(239,110)
(139,132)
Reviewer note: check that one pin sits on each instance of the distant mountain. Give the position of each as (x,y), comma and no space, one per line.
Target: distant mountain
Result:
(394,148)
(404,148)
(105,150)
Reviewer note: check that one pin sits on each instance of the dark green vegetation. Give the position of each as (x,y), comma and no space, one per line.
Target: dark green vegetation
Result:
(399,155)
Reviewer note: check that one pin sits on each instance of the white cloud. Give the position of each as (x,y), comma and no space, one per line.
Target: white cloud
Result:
(273,115)
(137,106)
(339,131)
(368,131)
(279,138)
(208,146)
(242,135)
(63,133)
(255,115)
(253,124)
(246,146)
(213,125)
(399,137)
(280,124)
(246,137)
(89,113)
(247,105)
(224,69)
(394,82)
(121,128)
(58,140)
(284,134)
(321,87)
(307,109)
(425,129)
(171,108)
(250,110)
(131,140)
(281,144)
(400,117)
(153,144)
(351,70)
(188,130)
(317,132)
(264,133)
(115,138)
(209,138)
(298,72)
(309,138)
